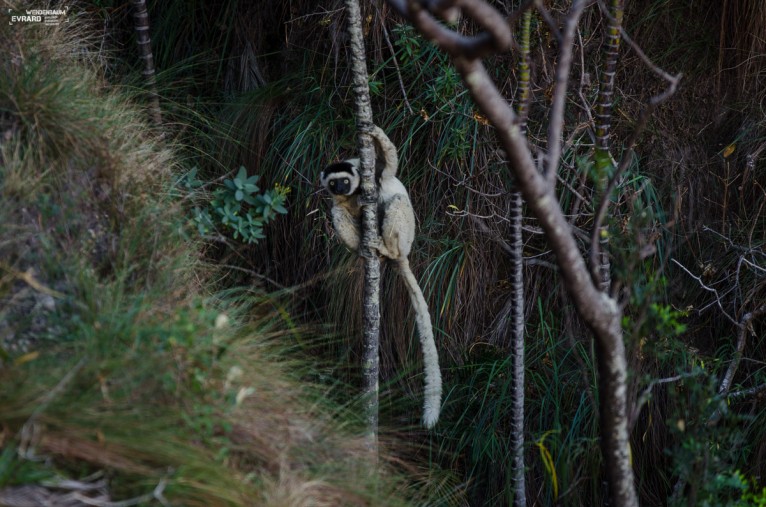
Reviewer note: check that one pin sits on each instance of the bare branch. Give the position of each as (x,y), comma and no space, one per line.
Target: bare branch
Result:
(493,235)
(744,393)
(539,195)
(395,61)
(647,393)
(635,47)
(571,189)
(556,122)
(545,264)
(744,326)
(497,36)
(709,289)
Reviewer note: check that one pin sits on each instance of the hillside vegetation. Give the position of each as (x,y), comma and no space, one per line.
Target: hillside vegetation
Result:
(124,373)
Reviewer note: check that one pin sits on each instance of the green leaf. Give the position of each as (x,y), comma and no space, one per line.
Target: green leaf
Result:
(239,195)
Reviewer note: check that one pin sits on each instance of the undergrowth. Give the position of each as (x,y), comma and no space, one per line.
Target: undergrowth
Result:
(124,374)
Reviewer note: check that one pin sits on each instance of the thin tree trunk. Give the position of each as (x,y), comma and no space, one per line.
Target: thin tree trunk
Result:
(517,286)
(603,125)
(369,197)
(141,18)
(606,81)
(517,344)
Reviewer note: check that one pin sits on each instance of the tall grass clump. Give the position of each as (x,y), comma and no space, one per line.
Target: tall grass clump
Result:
(124,376)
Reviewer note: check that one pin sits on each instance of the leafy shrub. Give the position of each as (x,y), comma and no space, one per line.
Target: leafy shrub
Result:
(237,207)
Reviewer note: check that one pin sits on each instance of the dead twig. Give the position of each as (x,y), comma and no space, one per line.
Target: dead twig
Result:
(744,326)
(709,289)
(549,20)
(744,393)
(395,61)
(646,394)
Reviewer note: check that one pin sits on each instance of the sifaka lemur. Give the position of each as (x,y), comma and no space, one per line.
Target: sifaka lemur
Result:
(396,220)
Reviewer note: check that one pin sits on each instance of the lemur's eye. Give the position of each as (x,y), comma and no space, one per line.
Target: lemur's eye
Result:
(345,181)
(332,183)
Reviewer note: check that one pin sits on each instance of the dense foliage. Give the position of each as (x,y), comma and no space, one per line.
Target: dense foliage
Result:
(265,86)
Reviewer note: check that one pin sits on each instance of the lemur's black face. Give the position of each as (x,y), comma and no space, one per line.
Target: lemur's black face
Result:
(341,178)
(340,186)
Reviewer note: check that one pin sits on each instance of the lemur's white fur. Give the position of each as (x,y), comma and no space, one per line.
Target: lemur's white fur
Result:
(397,232)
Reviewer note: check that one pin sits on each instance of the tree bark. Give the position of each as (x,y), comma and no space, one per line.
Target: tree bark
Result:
(603,158)
(517,285)
(141,18)
(368,199)
(608,70)
(517,351)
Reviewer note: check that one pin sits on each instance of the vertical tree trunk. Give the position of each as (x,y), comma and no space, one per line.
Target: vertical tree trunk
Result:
(608,70)
(517,286)
(517,344)
(369,197)
(141,18)
(603,124)
(613,410)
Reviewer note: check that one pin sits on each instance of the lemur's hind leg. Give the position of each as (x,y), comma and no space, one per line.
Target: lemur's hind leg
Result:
(398,228)
(383,250)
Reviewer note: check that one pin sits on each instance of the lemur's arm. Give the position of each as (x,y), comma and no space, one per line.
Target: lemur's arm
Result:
(386,160)
(346,226)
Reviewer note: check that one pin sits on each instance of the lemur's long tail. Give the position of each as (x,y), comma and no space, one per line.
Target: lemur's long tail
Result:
(433,379)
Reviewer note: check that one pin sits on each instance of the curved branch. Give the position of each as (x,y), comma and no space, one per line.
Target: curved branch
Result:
(497,36)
